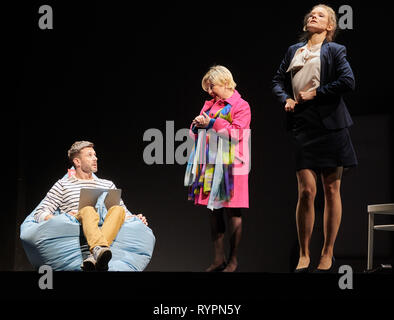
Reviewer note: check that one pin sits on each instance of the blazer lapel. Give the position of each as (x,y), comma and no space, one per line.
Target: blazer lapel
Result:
(288,74)
(324,62)
(295,48)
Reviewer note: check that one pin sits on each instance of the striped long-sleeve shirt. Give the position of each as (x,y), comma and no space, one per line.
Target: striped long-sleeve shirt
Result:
(64,195)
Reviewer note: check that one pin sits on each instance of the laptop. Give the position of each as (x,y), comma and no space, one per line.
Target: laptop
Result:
(88,197)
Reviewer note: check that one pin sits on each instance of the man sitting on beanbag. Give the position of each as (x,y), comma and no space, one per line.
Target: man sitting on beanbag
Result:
(64,195)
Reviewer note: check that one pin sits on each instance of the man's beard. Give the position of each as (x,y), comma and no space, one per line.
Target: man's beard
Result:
(94,169)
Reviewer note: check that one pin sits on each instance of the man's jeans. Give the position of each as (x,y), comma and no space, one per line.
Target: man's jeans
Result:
(105,235)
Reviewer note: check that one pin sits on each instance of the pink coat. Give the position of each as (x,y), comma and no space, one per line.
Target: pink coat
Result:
(241,116)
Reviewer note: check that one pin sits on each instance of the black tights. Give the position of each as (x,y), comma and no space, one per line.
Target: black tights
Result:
(218,228)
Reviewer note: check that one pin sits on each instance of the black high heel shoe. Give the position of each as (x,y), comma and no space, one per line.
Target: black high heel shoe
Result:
(329,270)
(302,270)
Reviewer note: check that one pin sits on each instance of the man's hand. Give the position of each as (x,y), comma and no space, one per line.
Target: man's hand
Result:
(141,217)
(290,105)
(49,216)
(73,213)
(304,96)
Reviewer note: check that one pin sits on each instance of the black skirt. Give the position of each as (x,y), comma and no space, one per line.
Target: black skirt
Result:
(324,149)
(317,147)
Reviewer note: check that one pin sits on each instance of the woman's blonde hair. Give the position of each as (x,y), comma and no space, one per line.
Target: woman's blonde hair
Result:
(218,75)
(332,19)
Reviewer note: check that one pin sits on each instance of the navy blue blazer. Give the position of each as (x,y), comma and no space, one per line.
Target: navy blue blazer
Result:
(336,78)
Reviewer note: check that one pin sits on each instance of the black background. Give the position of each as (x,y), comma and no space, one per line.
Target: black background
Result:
(109,71)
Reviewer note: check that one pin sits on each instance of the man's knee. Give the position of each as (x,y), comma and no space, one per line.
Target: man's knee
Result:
(117,210)
(87,211)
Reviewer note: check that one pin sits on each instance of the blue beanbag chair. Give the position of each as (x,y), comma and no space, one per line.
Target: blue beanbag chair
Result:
(59,242)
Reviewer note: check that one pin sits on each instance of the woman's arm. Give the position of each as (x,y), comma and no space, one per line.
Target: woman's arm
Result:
(241,117)
(194,127)
(345,81)
(278,82)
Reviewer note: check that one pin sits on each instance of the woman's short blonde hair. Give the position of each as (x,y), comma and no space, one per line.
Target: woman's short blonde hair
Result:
(332,19)
(218,75)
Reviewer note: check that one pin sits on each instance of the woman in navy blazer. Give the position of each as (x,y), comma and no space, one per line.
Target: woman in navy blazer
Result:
(309,84)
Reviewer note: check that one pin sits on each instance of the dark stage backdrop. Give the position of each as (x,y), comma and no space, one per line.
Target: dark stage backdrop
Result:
(108,72)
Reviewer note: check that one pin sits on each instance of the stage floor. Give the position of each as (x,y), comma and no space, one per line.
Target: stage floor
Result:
(156,288)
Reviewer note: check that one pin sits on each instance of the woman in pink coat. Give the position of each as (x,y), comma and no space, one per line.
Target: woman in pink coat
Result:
(218,169)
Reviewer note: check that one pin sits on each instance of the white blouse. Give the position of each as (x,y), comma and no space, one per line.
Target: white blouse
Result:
(305,69)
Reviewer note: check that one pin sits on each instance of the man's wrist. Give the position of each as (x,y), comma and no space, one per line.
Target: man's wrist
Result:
(48,216)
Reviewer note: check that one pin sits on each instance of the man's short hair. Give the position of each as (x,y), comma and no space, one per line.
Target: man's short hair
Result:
(77,147)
